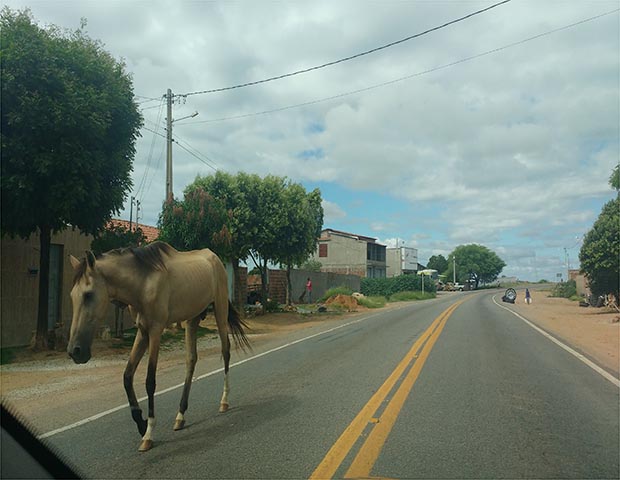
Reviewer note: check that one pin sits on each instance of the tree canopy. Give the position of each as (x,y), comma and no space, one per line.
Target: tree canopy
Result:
(270,220)
(474,262)
(438,262)
(600,253)
(69,125)
(117,236)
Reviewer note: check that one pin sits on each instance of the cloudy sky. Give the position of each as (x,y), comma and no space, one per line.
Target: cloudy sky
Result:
(511,149)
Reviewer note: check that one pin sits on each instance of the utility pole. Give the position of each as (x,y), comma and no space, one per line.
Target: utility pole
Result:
(169,146)
(137,213)
(169,140)
(133,199)
(454,269)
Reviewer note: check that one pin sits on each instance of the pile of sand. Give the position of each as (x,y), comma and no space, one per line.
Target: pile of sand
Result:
(344,301)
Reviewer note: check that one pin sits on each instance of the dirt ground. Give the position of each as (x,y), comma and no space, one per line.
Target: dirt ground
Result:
(595,332)
(32,378)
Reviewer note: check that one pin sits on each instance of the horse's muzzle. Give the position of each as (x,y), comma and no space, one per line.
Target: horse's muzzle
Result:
(79,355)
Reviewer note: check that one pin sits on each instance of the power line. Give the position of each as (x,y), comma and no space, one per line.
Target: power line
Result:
(390,82)
(150,156)
(345,59)
(197,155)
(204,155)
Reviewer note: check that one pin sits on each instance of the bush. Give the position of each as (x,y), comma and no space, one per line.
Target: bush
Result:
(386,287)
(341,290)
(372,302)
(409,296)
(564,289)
(272,306)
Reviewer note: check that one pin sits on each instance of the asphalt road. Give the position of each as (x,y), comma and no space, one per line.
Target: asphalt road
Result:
(421,391)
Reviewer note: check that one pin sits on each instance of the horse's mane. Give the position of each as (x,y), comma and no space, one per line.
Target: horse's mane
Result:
(148,258)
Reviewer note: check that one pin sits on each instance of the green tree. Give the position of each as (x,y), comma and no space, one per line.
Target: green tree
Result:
(600,253)
(614,179)
(116,236)
(198,221)
(438,262)
(69,128)
(300,229)
(311,265)
(474,262)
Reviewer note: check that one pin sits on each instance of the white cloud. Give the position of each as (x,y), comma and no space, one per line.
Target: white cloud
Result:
(518,143)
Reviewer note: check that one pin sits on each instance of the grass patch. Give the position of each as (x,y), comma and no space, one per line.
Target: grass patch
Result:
(372,302)
(168,339)
(342,290)
(411,296)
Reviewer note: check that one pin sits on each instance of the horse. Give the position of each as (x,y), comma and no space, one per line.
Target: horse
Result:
(161,286)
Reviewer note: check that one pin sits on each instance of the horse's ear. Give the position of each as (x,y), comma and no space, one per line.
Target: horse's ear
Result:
(75,263)
(90,259)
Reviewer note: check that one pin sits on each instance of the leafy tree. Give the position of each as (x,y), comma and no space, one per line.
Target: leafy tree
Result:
(614,179)
(300,230)
(69,127)
(438,262)
(311,265)
(265,199)
(474,262)
(198,221)
(600,253)
(117,236)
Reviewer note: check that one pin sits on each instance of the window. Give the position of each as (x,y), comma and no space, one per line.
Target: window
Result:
(323,250)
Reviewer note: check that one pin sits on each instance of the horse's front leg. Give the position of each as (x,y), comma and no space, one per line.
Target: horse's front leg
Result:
(147,439)
(137,352)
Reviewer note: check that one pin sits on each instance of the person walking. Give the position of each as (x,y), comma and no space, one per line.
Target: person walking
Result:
(528,297)
(309,289)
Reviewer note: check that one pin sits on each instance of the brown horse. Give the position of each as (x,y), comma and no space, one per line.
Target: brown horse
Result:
(161,286)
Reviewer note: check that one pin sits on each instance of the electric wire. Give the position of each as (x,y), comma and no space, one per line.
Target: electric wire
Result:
(180,141)
(400,79)
(140,189)
(345,59)
(196,155)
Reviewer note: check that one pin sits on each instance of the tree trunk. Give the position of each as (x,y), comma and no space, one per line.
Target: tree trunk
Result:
(238,300)
(288,285)
(263,277)
(44,281)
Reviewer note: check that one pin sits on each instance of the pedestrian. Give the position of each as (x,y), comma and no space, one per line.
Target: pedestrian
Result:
(528,297)
(309,289)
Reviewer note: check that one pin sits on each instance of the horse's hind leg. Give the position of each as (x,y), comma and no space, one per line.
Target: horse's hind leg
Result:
(221,317)
(191,357)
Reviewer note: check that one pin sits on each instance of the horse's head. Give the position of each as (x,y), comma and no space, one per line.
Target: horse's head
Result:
(90,300)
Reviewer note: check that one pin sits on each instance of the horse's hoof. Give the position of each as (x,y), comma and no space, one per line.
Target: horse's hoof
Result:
(179,424)
(145,446)
(223,407)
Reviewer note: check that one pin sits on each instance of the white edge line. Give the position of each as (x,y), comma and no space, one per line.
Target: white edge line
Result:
(581,357)
(209,374)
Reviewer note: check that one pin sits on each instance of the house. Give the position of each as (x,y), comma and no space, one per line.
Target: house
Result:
(401,261)
(349,253)
(19,292)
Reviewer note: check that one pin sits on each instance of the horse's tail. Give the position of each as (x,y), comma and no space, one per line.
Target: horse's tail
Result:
(237,326)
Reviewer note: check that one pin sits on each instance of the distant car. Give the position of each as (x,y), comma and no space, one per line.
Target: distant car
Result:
(458,286)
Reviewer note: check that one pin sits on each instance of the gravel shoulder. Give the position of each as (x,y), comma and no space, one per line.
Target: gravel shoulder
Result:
(595,332)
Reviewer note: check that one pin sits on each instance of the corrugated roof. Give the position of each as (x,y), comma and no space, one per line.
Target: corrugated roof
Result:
(351,235)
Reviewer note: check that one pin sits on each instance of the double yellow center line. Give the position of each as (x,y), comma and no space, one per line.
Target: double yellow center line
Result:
(380,427)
